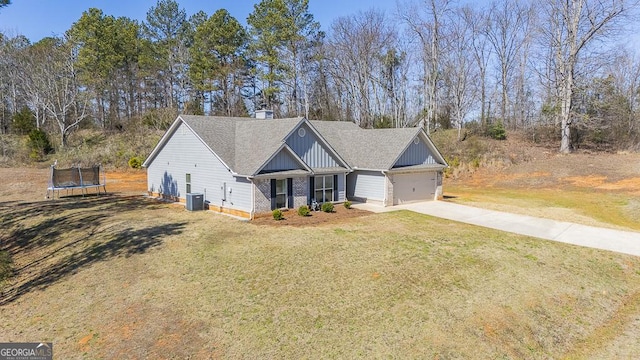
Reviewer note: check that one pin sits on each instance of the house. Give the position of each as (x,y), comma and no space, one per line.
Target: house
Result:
(245,166)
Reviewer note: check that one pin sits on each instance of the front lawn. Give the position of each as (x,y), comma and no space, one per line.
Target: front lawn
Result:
(118,277)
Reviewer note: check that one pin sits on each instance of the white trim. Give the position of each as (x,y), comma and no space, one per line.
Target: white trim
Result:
(409,169)
(282,147)
(320,139)
(430,145)
(324,187)
(433,147)
(165,138)
(162,141)
(390,166)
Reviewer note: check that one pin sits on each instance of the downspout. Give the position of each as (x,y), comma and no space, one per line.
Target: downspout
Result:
(253,198)
(386,188)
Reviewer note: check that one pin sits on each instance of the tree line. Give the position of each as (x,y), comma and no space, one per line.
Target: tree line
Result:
(551,68)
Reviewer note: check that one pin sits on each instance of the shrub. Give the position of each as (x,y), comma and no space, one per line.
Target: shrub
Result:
(497,131)
(277,214)
(347,204)
(23,122)
(303,210)
(135,162)
(39,144)
(327,207)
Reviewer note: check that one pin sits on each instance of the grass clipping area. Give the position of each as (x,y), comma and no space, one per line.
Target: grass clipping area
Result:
(137,279)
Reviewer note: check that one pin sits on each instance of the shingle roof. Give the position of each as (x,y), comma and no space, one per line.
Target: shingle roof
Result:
(366,148)
(258,140)
(244,144)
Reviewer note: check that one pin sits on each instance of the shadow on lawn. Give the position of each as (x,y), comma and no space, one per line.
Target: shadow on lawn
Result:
(50,240)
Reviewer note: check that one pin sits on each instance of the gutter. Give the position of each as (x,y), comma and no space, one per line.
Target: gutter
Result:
(253,198)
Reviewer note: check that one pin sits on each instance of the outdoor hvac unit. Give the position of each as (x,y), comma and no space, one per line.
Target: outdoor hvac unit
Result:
(195,201)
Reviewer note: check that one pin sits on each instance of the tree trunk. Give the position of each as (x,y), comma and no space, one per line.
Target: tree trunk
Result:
(565,114)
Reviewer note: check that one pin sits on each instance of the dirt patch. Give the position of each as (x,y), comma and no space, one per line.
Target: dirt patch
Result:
(602,171)
(30,184)
(291,217)
(591,189)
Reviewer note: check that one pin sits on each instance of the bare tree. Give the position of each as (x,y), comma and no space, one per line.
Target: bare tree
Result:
(626,73)
(426,21)
(460,72)
(482,51)
(507,27)
(570,27)
(54,82)
(357,47)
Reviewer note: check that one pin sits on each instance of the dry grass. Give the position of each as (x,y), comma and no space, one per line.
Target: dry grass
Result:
(122,277)
(588,206)
(599,190)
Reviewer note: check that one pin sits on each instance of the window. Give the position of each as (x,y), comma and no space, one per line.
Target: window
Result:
(323,191)
(281,193)
(188,182)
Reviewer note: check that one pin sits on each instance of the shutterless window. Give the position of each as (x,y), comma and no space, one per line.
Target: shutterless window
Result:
(188,182)
(281,193)
(323,191)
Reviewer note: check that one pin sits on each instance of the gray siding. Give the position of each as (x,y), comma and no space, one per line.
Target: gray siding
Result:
(310,150)
(366,185)
(185,154)
(282,161)
(416,154)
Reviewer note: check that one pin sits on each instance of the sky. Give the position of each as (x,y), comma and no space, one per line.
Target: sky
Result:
(37,19)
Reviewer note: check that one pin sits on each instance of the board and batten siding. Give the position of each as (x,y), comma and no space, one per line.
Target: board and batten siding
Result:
(183,154)
(416,154)
(282,161)
(309,149)
(365,185)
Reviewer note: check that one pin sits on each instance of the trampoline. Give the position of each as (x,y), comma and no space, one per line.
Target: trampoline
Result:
(74,178)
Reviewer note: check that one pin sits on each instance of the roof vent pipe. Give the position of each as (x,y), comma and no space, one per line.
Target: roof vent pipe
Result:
(264,114)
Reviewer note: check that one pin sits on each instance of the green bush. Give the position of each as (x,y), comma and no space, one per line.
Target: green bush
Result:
(304,210)
(327,207)
(39,144)
(277,214)
(24,121)
(135,162)
(347,204)
(497,131)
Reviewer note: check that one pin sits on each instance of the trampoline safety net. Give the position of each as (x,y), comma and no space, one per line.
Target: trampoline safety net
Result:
(76,178)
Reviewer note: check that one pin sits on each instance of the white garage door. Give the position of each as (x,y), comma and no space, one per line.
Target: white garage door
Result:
(413,187)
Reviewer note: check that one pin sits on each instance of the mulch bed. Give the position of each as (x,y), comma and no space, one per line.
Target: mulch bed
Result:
(291,217)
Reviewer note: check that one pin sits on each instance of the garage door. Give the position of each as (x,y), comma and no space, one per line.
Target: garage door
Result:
(413,187)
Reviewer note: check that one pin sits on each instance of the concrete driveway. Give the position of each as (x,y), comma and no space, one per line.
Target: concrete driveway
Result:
(626,242)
